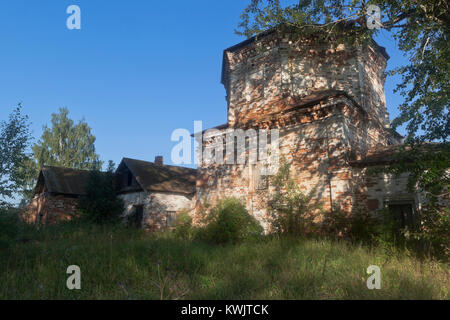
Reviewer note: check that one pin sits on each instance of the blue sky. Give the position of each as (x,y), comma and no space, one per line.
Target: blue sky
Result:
(136,70)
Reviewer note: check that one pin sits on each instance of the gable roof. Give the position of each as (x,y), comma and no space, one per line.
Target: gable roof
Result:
(162,178)
(62,180)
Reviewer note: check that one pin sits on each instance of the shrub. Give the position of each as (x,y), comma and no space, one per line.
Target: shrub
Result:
(387,231)
(9,227)
(433,232)
(360,226)
(291,212)
(183,228)
(335,224)
(229,222)
(100,204)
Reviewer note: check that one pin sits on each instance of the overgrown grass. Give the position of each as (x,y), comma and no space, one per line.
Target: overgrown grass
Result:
(120,263)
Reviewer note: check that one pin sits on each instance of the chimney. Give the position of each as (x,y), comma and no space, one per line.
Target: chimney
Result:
(159,160)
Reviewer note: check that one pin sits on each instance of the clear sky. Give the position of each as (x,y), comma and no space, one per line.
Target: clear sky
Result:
(136,71)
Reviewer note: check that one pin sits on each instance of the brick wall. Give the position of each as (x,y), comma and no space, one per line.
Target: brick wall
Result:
(275,72)
(49,208)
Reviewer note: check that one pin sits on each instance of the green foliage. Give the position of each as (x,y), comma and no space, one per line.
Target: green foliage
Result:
(433,232)
(360,226)
(430,236)
(14,141)
(307,16)
(65,144)
(100,204)
(363,226)
(9,227)
(291,212)
(229,222)
(111,166)
(183,228)
(423,37)
(386,231)
(335,224)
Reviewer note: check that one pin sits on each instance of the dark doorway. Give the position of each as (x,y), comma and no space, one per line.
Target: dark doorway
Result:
(129,179)
(403,213)
(139,214)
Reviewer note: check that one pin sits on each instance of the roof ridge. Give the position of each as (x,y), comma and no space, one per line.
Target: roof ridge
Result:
(153,177)
(65,168)
(159,165)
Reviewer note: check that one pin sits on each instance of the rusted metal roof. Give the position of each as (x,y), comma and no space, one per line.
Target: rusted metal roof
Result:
(62,180)
(162,178)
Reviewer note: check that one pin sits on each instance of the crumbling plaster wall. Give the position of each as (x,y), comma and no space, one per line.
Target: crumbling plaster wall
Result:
(156,206)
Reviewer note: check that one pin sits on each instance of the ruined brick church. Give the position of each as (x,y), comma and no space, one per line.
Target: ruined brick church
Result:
(329,105)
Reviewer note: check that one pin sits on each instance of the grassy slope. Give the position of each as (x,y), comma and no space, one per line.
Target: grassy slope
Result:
(128,264)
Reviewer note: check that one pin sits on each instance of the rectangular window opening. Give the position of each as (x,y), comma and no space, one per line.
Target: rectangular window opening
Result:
(403,213)
(170,218)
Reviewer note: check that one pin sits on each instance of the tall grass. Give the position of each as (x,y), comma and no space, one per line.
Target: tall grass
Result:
(120,263)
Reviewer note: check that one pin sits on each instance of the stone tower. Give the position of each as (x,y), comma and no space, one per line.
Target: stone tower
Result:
(327,102)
